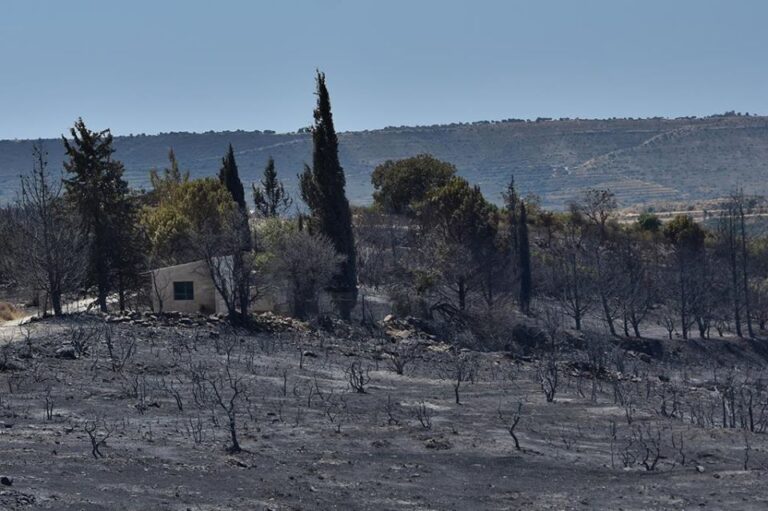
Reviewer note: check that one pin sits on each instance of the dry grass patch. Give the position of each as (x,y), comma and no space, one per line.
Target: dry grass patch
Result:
(9,312)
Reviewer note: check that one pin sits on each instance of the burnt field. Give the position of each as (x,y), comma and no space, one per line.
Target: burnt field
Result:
(97,415)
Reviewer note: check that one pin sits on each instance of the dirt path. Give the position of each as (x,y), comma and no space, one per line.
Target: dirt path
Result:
(13,330)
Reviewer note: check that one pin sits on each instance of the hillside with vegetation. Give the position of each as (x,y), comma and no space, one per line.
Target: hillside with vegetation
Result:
(641,160)
(570,355)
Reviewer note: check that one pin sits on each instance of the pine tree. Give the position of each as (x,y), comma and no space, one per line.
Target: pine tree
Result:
(270,198)
(322,188)
(163,183)
(230,178)
(524,261)
(97,189)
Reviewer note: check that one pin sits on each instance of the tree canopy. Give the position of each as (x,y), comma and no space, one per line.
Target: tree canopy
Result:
(400,184)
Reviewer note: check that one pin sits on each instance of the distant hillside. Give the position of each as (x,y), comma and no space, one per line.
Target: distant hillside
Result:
(641,160)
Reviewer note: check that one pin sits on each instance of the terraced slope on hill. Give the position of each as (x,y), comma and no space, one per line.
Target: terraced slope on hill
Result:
(642,160)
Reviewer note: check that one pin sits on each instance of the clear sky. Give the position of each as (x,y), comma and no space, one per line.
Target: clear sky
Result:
(141,66)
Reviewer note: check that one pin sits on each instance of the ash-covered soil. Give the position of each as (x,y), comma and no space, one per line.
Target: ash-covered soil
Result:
(625,430)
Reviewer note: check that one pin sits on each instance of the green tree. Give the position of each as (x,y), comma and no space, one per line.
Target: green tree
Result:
(322,189)
(399,185)
(647,221)
(230,178)
(464,226)
(98,191)
(192,210)
(171,176)
(200,220)
(270,198)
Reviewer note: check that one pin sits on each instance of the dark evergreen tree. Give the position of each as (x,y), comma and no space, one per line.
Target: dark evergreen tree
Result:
(511,202)
(128,260)
(97,189)
(524,261)
(270,198)
(322,188)
(230,178)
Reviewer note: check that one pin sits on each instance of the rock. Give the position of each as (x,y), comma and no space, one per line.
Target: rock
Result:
(650,347)
(11,365)
(439,444)
(699,469)
(388,318)
(67,353)
(5,481)
(528,339)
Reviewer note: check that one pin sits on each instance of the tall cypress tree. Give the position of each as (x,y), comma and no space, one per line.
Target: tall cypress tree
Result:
(230,178)
(98,191)
(511,201)
(322,188)
(524,260)
(270,198)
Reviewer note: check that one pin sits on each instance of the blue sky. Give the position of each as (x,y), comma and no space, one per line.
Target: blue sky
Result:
(171,65)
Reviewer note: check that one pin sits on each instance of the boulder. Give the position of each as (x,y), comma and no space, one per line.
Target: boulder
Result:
(439,444)
(650,347)
(67,353)
(528,339)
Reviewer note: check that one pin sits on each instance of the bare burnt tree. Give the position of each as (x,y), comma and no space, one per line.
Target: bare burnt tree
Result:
(401,355)
(634,273)
(230,266)
(511,420)
(685,241)
(98,431)
(572,281)
(734,242)
(458,369)
(306,263)
(227,391)
(598,207)
(47,245)
(358,376)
